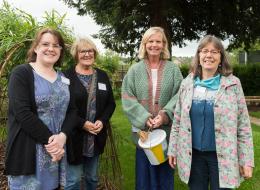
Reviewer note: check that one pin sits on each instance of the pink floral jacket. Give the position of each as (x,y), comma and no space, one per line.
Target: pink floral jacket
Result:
(234,143)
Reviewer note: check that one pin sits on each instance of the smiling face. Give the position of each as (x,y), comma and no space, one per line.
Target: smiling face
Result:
(154,45)
(209,58)
(48,50)
(86,55)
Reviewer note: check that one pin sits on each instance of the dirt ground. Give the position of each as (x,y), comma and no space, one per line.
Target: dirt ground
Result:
(3,180)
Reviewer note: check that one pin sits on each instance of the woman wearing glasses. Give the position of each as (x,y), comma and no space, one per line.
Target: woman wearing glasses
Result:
(211,137)
(37,121)
(95,106)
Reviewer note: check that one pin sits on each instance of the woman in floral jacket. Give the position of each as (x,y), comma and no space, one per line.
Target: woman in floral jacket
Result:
(211,137)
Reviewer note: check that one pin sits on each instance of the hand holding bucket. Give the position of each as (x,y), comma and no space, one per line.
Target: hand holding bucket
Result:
(155,147)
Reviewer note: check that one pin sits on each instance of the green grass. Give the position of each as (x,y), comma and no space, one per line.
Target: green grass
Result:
(255,114)
(126,148)
(126,154)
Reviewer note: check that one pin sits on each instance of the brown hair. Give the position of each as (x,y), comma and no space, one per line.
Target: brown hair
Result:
(151,31)
(31,55)
(224,66)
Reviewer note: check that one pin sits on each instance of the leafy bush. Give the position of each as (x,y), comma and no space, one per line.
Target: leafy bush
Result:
(184,69)
(249,76)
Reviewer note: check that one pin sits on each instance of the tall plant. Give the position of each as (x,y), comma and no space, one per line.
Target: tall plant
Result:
(17,30)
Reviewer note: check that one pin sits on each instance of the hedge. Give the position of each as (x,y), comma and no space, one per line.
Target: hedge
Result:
(249,76)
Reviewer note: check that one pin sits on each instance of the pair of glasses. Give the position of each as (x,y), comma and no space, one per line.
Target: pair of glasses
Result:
(212,52)
(85,51)
(49,45)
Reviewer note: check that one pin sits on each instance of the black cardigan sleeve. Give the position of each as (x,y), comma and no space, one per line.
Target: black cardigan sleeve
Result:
(71,116)
(22,105)
(109,105)
(75,85)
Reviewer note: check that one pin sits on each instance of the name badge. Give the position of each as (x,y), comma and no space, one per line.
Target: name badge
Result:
(102,86)
(65,80)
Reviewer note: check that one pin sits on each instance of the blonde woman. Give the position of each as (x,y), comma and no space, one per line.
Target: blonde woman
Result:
(148,98)
(95,104)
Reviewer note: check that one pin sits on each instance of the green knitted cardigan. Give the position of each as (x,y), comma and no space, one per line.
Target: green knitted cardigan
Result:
(137,92)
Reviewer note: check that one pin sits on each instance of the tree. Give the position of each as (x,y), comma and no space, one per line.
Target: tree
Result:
(124,21)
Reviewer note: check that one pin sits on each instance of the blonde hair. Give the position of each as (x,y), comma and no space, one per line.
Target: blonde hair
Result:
(165,54)
(80,43)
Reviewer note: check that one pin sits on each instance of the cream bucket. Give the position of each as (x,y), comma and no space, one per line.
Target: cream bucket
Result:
(155,147)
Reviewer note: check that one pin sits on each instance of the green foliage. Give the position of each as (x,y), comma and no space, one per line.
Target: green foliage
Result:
(123,22)
(254,182)
(108,62)
(249,77)
(126,149)
(185,69)
(17,30)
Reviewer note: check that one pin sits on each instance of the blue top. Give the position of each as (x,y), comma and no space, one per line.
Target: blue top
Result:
(52,99)
(202,114)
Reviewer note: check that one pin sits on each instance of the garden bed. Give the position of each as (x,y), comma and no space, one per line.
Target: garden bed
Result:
(3,179)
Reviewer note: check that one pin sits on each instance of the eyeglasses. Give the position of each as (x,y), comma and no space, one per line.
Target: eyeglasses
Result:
(48,45)
(212,52)
(89,51)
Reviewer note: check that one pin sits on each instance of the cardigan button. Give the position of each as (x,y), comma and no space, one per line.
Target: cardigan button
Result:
(189,129)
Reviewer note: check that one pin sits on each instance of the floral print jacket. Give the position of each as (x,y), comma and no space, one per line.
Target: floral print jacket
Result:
(234,143)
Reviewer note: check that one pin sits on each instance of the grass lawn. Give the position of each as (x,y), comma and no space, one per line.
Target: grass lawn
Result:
(255,114)
(126,154)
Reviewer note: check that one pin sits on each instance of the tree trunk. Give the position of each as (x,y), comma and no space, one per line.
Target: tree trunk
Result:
(159,19)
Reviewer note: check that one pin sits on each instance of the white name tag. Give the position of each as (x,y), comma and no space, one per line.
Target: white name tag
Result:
(65,80)
(102,86)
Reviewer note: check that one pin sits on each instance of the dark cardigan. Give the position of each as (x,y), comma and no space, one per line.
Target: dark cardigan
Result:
(105,106)
(25,129)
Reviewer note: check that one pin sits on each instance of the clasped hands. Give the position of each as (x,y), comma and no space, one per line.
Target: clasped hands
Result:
(93,128)
(154,122)
(55,146)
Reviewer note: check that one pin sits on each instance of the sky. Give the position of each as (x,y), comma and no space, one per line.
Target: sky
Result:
(81,25)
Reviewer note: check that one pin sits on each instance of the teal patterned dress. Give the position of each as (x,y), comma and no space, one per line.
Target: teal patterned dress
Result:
(52,101)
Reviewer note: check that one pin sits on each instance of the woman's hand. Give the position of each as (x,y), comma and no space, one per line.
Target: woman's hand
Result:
(246,171)
(99,126)
(150,122)
(90,127)
(57,155)
(55,146)
(158,121)
(172,161)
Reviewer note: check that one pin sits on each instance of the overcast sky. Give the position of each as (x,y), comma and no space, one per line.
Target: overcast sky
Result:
(81,25)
